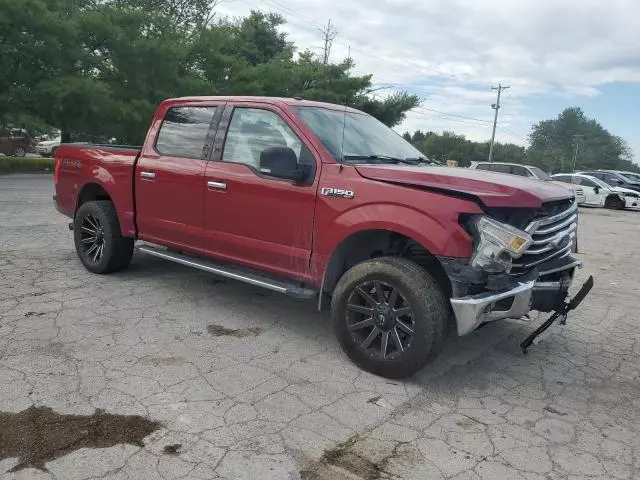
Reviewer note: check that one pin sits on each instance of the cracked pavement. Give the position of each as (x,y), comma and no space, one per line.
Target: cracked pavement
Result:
(277,399)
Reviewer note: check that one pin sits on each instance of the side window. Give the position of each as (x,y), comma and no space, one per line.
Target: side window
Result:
(497,167)
(252,130)
(562,178)
(518,170)
(483,166)
(585,182)
(184,131)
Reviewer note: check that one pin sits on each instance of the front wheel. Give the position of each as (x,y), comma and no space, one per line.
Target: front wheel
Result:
(614,202)
(389,316)
(96,232)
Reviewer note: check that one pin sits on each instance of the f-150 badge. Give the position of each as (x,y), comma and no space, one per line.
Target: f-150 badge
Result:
(337,192)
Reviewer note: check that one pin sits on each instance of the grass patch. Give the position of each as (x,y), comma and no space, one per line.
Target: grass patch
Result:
(25,165)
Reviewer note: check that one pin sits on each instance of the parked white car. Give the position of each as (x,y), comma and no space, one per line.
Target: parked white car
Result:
(599,194)
(48,147)
(527,171)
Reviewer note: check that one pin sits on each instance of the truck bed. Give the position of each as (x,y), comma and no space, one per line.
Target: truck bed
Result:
(107,167)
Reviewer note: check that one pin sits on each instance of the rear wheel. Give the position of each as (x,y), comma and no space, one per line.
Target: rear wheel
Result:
(389,316)
(98,242)
(19,152)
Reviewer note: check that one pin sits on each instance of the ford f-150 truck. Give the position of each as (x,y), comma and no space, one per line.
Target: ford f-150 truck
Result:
(319,200)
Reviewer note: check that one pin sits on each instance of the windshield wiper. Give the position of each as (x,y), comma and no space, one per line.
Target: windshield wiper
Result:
(386,159)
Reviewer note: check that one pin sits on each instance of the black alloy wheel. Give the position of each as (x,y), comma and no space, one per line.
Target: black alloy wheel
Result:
(92,238)
(98,239)
(389,315)
(380,319)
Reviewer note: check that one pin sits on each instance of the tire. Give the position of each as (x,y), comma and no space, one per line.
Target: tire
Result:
(19,152)
(417,293)
(53,152)
(110,251)
(614,203)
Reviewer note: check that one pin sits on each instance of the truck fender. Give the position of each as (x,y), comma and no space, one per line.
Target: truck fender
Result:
(436,238)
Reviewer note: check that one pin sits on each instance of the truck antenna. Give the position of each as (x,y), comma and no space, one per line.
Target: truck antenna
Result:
(344,124)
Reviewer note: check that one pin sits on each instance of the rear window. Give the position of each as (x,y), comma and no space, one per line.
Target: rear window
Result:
(184,131)
(483,166)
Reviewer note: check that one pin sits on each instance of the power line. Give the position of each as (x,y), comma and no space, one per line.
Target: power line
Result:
(496,107)
(454,115)
(512,133)
(324,30)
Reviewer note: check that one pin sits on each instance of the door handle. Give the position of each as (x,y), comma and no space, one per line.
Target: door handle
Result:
(148,175)
(217,185)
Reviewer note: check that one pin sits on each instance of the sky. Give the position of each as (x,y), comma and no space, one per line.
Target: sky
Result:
(552,53)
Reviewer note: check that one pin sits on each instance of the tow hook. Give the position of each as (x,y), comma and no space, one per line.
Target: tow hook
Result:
(561,313)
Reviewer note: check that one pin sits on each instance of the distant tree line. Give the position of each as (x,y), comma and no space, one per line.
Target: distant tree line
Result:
(552,146)
(100,67)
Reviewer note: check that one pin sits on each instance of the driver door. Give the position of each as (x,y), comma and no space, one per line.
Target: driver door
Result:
(250,218)
(591,193)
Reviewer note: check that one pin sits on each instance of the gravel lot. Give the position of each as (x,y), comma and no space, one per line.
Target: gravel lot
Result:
(246,384)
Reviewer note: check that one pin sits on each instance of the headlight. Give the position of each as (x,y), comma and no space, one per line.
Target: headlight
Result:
(497,244)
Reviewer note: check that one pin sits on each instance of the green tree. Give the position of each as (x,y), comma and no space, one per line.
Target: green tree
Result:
(100,67)
(553,143)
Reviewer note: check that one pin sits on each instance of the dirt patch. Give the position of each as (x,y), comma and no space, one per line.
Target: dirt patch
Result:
(220,331)
(172,449)
(38,434)
(343,463)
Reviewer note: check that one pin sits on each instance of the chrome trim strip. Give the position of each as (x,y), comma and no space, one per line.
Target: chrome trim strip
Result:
(571,228)
(576,264)
(548,248)
(566,251)
(555,226)
(207,268)
(554,218)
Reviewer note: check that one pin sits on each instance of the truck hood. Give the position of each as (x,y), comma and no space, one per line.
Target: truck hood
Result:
(491,188)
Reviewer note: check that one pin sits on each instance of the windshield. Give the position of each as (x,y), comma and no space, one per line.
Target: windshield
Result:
(540,175)
(364,136)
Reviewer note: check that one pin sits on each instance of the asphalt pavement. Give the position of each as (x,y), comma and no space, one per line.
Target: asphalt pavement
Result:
(164,372)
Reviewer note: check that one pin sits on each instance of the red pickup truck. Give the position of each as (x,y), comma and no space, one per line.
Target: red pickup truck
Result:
(317,200)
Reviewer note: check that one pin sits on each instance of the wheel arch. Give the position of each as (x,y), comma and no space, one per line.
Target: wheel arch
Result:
(378,242)
(90,192)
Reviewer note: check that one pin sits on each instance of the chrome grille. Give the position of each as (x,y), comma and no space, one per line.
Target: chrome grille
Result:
(552,238)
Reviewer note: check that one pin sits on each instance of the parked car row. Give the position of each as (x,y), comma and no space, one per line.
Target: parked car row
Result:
(527,171)
(599,188)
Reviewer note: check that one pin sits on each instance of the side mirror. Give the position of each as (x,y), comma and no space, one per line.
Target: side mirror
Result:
(596,189)
(281,162)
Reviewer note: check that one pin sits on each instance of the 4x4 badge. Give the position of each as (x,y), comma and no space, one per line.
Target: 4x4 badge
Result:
(337,192)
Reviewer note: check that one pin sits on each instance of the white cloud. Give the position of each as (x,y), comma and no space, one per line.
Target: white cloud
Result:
(451,52)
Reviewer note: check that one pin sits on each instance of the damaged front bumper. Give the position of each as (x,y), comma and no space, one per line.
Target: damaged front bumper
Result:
(542,290)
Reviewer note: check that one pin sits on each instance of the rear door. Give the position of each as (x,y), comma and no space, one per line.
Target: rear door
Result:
(169,174)
(251,218)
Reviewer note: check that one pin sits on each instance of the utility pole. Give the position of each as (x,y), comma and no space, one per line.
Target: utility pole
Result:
(576,139)
(496,107)
(329,34)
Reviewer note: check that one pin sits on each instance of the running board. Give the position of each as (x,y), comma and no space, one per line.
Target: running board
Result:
(290,289)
